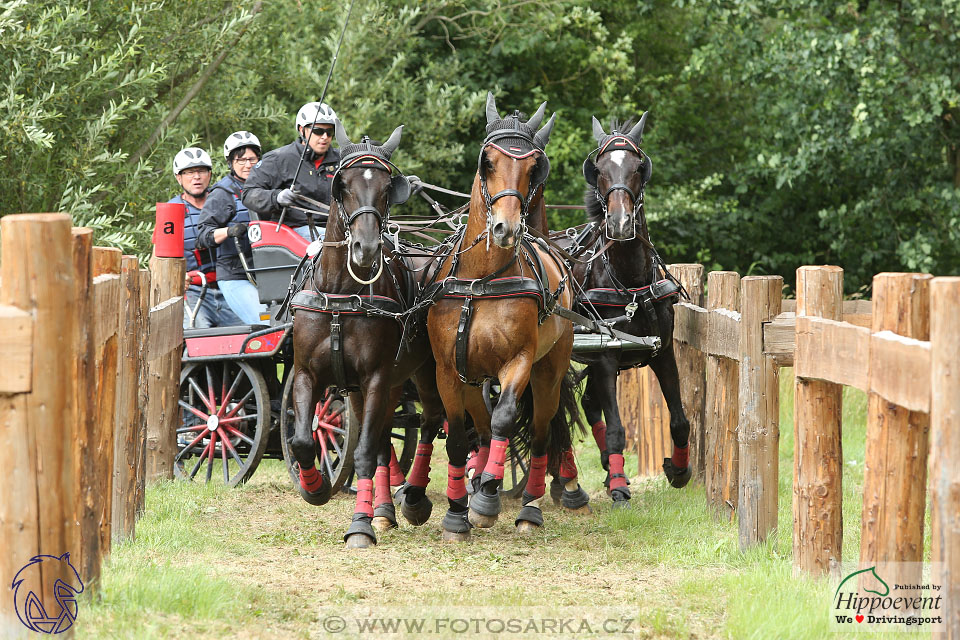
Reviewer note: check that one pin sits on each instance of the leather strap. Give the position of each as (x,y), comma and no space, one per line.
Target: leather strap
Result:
(336,352)
(463,335)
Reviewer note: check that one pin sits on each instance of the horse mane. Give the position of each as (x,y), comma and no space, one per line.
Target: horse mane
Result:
(594,210)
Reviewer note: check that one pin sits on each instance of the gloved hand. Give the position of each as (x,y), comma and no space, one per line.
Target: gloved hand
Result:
(416,185)
(286,197)
(237,230)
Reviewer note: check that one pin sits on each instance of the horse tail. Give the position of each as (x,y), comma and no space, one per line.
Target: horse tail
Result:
(566,422)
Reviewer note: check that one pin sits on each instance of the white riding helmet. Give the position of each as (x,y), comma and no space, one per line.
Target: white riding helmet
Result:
(239,139)
(189,158)
(316,112)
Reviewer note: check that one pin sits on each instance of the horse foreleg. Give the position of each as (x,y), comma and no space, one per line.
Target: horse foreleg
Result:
(415,506)
(485,505)
(604,390)
(376,404)
(676,467)
(384,513)
(456,527)
(314,486)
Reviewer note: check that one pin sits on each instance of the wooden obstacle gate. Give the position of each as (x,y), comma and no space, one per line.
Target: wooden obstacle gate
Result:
(76,339)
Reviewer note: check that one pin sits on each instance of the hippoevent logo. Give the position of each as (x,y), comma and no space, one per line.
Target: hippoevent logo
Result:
(60,586)
(866,601)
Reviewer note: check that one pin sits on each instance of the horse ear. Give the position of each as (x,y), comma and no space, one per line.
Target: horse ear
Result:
(537,117)
(598,132)
(647,168)
(542,137)
(342,138)
(399,189)
(392,142)
(492,114)
(636,134)
(590,172)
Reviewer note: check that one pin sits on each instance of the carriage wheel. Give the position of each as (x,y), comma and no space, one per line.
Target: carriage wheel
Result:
(224,421)
(335,435)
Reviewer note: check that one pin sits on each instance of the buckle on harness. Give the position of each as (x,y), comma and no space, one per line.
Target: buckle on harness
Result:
(630,309)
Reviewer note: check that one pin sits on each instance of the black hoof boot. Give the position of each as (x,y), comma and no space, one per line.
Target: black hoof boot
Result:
(576,499)
(556,490)
(485,507)
(384,517)
(416,513)
(678,477)
(319,497)
(401,490)
(621,497)
(456,524)
(360,535)
(530,517)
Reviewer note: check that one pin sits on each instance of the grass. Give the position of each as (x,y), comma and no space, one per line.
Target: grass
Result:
(258,562)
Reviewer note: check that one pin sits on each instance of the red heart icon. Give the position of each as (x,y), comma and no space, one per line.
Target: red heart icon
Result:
(859,618)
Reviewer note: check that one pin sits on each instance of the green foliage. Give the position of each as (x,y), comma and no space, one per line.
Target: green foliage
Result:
(782,133)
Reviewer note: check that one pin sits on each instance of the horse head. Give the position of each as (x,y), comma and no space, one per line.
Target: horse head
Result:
(364,188)
(512,166)
(618,171)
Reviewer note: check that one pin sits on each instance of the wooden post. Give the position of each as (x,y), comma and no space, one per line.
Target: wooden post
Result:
(691,364)
(720,420)
(129,414)
(895,473)
(166,281)
(945,446)
(143,320)
(107,295)
(38,495)
(818,458)
(759,403)
(87,555)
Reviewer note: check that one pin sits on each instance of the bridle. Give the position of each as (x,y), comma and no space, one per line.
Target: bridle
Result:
(620,143)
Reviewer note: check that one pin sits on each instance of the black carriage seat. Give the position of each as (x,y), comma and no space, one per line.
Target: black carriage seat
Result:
(276,254)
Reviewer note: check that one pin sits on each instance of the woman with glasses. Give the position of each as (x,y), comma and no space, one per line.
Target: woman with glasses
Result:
(270,189)
(223,224)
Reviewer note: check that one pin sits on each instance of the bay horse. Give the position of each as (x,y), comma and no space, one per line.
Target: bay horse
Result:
(348,332)
(629,284)
(492,320)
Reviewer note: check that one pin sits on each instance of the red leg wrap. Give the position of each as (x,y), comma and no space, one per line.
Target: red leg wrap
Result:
(446,427)
(537,480)
(600,435)
(310,479)
(420,474)
(498,456)
(456,488)
(365,497)
(617,477)
(396,475)
(568,468)
(478,461)
(681,457)
(381,486)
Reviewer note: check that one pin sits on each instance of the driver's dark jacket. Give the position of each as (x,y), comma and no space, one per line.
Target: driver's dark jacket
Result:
(275,172)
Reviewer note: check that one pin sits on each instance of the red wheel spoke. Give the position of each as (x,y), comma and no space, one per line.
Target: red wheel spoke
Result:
(223,454)
(213,454)
(240,404)
(190,446)
(199,427)
(207,401)
(194,410)
(228,396)
(322,441)
(239,434)
(200,458)
(326,405)
(233,452)
(237,419)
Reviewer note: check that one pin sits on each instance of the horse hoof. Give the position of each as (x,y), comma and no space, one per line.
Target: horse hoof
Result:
(621,504)
(480,520)
(382,524)
(417,513)
(454,536)
(525,528)
(556,491)
(678,478)
(585,510)
(359,541)
(575,500)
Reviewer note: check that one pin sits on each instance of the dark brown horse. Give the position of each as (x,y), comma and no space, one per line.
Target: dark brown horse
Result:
(627,283)
(493,321)
(348,333)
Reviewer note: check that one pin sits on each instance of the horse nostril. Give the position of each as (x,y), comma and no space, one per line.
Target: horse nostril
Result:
(356,247)
(499,229)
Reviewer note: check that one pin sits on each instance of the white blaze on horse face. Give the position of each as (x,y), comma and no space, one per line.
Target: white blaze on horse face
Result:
(617,157)
(367,174)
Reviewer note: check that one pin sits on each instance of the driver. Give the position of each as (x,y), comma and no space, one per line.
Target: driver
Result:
(270,186)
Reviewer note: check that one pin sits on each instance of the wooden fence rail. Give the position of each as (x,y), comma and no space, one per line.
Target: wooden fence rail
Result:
(75,337)
(886,348)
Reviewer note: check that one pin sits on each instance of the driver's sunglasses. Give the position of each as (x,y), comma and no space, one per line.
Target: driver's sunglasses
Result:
(323,131)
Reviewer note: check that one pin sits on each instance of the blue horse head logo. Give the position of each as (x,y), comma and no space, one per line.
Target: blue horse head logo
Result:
(58,577)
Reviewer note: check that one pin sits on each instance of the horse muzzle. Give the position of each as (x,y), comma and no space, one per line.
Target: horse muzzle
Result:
(363,254)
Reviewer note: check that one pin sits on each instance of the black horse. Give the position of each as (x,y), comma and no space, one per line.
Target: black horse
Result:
(349,332)
(623,279)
